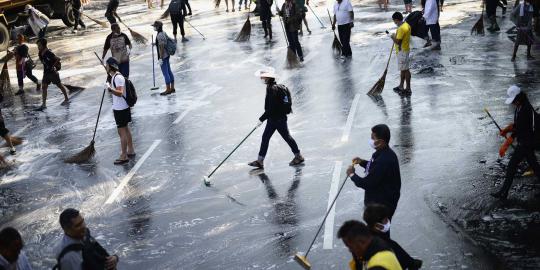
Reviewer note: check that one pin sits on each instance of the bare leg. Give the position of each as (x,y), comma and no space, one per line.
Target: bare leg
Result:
(130,148)
(408,80)
(123,143)
(64,91)
(227,5)
(7,138)
(307,26)
(401,79)
(529,55)
(44,87)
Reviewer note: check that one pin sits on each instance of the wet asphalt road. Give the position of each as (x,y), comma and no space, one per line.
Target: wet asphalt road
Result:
(164,218)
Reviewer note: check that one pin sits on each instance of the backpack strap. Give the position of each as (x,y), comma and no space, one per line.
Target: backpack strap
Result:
(67,249)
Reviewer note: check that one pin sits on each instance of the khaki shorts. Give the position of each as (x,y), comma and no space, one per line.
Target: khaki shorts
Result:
(404,60)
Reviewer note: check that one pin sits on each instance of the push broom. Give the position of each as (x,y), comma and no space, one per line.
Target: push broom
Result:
(136,36)
(379,85)
(336,45)
(203,37)
(101,23)
(206,179)
(88,152)
(478,28)
(302,260)
(292,59)
(245,33)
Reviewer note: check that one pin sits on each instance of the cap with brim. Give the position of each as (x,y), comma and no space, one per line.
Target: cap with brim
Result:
(266,73)
(157,23)
(512,93)
(112,62)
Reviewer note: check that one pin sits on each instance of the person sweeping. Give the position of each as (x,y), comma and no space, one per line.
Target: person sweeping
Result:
(292,18)
(522,131)
(120,47)
(402,39)
(121,111)
(522,16)
(265,14)
(344,18)
(277,105)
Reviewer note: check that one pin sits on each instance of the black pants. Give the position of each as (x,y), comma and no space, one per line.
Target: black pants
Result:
(344,32)
(521,152)
(294,43)
(491,7)
(281,126)
(267,27)
(110,17)
(78,20)
(435,30)
(404,259)
(178,20)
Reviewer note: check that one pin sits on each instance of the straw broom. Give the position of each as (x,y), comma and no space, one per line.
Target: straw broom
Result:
(336,45)
(136,36)
(478,28)
(5,84)
(379,85)
(292,58)
(165,14)
(101,23)
(245,33)
(14,141)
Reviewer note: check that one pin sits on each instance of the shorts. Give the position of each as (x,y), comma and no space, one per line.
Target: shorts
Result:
(51,77)
(3,130)
(407,2)
(404,60)
(122,117)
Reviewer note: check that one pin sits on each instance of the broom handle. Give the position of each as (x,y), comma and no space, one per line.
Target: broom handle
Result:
(325,216)
(153,68)
(282,26)
(330,17)
(230,154)
(390,57)
(194,28)
(99,113)
(495,122)
(322,25)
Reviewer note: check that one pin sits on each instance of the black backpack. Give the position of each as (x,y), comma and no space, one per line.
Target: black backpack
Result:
(418,24)
(283,95)
(94,255)
(131,93)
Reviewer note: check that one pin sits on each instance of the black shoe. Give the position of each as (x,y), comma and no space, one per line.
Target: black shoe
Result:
(189,14)
(301,59)
(256,164)
(297,160)
(428,44)
(415,265)
(499,195)
(20,92)
(397,89)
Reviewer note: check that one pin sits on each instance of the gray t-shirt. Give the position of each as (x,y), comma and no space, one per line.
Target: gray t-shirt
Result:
(161,40)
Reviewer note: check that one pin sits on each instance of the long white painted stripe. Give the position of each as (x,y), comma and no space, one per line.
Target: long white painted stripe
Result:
(329,224)
(132,172)
(350,119)
(20,131)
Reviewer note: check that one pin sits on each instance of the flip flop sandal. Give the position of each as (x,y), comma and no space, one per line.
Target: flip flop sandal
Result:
(131,155)
(121,161)
(397,89)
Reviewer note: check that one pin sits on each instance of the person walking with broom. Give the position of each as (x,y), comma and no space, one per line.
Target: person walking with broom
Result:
(120,47)
(344,18)
(522,16)
(24,65)
(121,110)
(163,58)
(277,104)
(51,65)
(382,182)
(401,40)
(292,18)
(265,14)
(178,11)
(77,9)
(522,131)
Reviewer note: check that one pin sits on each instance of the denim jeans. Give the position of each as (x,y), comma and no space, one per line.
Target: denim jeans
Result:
(281,126)
(124,69)
(166,70)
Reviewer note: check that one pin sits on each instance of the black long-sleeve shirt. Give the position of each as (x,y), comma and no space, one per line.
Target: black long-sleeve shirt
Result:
(523,125)
(181,7)
(382,184)
(271,104)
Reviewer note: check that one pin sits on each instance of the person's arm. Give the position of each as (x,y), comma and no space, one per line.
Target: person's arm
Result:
(106,46)
(374,177)
(161,48)
(128,42)
(334,22)
(351,13)
(397,38)
(183,8)
(118,91)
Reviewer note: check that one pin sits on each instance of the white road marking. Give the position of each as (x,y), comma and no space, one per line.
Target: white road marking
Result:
(20,131)
(132,172)
(329,224)
(350,119)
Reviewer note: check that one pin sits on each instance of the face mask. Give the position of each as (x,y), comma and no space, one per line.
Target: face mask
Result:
(371,143)
(386,227)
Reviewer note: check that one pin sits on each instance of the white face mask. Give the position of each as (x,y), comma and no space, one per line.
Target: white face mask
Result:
(371,143)
(386,227)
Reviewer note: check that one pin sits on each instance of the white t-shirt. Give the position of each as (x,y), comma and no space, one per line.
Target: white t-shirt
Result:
(431,12)
(342,11)
(119,103)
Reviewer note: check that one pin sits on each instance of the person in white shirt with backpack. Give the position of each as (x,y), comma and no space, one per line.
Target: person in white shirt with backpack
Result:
(121,110)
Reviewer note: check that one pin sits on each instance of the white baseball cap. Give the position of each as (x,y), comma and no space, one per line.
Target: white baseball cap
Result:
(512,92)
(267,72)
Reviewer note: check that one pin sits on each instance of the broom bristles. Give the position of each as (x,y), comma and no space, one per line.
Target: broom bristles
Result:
(85,155)
(165,14)
(5,84)
(73,88)
(245,33)
(101,23)
(478,28)
(292,59)
(14,141)
(336,45)
(138,37)
(379,85)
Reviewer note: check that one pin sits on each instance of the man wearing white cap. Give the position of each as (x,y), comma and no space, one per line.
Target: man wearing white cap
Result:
(277,105)
(523,131)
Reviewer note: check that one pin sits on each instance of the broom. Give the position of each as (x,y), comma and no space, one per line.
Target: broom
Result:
(5,84)
(165,14)
(478,28)
(88,152)
(292,59)
(379,85)
(73,88)
(136,36)
(101,23)
(14,141)
(245,33)
(336,45)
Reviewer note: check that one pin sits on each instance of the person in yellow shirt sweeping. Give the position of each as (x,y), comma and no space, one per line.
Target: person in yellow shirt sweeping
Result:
(402,39)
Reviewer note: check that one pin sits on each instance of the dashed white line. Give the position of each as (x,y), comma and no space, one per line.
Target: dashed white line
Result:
(132,172)
(350,119)
(328,239)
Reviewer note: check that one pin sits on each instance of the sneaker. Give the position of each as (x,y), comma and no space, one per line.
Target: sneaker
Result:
(12,150)
(530,57)
(301,59)
(20,92)
(428,44)
(436,47)
(165,93)
(415,265)
(406,92)
(257,164)
(397,89)
(74,31)
(184,39)
(189,14)
(38,87)
(297,160)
